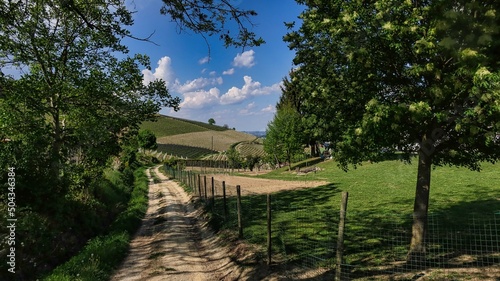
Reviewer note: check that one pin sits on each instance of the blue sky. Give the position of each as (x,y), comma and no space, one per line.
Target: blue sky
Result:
(237,87)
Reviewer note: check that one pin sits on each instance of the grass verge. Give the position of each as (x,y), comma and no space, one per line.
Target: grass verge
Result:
(103,254)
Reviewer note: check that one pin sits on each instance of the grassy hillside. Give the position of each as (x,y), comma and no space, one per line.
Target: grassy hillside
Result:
(169,126)
(214,140)
(193,139)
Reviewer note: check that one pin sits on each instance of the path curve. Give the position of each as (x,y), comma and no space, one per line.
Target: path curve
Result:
(171,244)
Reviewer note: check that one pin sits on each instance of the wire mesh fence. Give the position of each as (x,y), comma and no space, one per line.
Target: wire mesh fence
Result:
(304,233)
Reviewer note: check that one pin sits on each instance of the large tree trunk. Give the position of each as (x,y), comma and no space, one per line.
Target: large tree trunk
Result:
(420,207)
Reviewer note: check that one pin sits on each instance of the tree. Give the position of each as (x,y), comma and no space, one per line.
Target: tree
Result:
(387,74)
(292,97)
(284,137)
(234,158)
(211,18)
(211,121)
(75,102)
(147,139)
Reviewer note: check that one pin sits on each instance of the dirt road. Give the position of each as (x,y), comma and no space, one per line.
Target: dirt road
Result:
(171,244)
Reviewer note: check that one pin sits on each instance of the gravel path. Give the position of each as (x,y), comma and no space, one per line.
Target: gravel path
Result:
(171,244)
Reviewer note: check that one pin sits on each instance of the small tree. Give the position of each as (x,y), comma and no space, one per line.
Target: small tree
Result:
(251,161)
(234,158)
(211,121)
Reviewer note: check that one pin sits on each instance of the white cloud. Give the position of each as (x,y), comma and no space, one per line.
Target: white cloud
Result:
(245,59)
(248,109)
(250,88)
(204,60)
(269,108)
(200,99)
(197,84)
(163,71)
(228,72)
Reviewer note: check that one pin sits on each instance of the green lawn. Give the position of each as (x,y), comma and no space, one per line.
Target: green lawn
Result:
(390,186)
(378,230)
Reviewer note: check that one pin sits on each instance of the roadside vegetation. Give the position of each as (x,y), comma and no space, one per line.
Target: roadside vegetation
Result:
(104,253)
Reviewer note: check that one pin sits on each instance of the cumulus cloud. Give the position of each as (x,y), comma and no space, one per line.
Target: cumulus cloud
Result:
(163,71)
(250,88)
(204,60)
(200,99)
(269,108)
(197,84)
(245,59)
(228,72)
(248,109)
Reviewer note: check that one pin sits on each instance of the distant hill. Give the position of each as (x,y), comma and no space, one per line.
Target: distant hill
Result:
(169,126)
(193,139)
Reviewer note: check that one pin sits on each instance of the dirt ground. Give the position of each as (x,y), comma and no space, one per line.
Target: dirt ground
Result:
(263,186)
(171,244)
(174,243)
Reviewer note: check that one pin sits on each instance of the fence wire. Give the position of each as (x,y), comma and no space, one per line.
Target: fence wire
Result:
(376,246)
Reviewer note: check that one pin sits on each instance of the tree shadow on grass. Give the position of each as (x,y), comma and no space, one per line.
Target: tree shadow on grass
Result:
(463,235)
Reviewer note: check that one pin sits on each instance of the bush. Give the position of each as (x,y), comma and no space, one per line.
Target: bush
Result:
(97,260)
(147,139)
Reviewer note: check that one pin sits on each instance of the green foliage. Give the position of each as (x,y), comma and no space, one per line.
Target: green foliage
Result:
(76,101)
(251,161)
(377,76)
(284,136)
(211,121)
(146,139)
(234,158)
(47,236)
(388,75)
(101,255)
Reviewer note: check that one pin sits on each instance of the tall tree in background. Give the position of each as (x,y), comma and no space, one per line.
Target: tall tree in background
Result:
(292,98)
(284,136)
(387,74)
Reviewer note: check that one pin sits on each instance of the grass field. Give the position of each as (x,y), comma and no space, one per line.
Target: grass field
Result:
(380,205)
(170,126)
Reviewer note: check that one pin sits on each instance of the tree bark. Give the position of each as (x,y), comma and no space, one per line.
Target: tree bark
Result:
(420,208)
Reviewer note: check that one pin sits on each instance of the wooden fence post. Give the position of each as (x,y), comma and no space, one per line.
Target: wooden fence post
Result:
(199,185)
(238,201)
(340,238)
(224,199)
(269,245)
(205,185)
(213,195)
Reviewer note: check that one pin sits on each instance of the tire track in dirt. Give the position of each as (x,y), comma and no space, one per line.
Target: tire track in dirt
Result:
(171,244)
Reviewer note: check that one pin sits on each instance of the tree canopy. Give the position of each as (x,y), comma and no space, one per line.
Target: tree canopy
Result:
(284,136)
(419,76)
(75,101)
